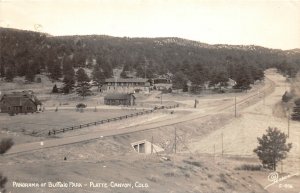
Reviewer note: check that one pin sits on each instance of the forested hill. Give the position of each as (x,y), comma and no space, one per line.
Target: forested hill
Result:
(26,53)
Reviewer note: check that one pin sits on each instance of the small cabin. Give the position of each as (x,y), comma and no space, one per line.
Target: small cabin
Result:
(119,99)
(19,102)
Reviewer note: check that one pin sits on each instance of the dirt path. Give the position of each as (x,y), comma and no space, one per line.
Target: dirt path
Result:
(239,137)
(224,106)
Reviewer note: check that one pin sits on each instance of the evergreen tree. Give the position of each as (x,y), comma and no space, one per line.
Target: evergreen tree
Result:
(272,148)
(123,74)
(2,67)
(67,66)
(198,75)
(83,85)
(296,110)
(69,78)
(10,74)
(98,76)
(55,89)
(219,77)
(179,80)
(55,71)
(69,84)
(243,79)
(30,74)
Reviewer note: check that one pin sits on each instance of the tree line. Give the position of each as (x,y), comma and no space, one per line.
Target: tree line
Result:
(27,53)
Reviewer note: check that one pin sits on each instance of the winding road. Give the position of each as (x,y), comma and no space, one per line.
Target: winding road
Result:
(254,96)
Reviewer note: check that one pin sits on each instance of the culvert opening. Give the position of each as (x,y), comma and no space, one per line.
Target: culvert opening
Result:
(146,147)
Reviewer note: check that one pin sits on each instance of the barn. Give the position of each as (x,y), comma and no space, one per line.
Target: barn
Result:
(119,99)
(19,102)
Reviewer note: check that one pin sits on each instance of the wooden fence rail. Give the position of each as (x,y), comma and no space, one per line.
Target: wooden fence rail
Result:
(62,130)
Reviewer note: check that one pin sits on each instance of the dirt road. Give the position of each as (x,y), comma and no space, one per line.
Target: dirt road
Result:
(224,106)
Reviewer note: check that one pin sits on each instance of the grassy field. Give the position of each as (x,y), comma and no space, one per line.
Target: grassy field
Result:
(47,120)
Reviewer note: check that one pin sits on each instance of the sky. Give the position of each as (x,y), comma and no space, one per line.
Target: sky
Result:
(268,23)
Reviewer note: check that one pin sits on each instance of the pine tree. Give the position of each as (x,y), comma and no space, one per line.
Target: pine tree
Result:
(69,78)
(69,84)
(272,148)
(2,68)
(243,78)
(296,110)
(10,74)
(55,71)
(98,76)
(30,74)
(123,74)
(83,85)
(179,80)
(55,89)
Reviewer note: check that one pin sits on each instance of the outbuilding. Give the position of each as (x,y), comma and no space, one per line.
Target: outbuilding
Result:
(119,99)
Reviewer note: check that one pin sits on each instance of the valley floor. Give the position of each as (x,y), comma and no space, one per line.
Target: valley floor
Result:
(198,165)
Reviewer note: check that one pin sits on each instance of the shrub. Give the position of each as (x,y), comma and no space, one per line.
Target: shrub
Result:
(81,105)
(249,167)
(3,181)
(5,145)
(194,163)
(287,97)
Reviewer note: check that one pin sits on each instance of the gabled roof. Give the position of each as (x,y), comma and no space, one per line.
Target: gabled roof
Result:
(131,80)
(19,98)
(118,96)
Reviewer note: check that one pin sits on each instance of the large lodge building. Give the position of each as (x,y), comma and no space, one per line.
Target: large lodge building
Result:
(128,85)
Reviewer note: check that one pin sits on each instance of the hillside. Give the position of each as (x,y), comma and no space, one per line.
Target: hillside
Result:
(29,53)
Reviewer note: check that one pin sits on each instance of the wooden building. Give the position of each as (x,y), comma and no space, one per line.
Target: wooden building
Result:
(19,102)
(126,85)
(119,99)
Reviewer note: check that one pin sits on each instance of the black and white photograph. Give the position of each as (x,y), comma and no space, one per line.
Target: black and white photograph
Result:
(149,96)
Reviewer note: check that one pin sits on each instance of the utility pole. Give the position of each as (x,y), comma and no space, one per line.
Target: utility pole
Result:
(175,141)
(222,143)
(152,144)
(214,151)
(234,106)
(288,135)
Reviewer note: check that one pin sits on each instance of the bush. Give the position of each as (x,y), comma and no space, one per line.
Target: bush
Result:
(249,167)
(38,80)
(287,97)
(81,105)
(3,181)
(297,102)
(5,145)
(194,163)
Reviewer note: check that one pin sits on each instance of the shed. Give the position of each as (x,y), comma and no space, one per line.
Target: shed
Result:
(119,99)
